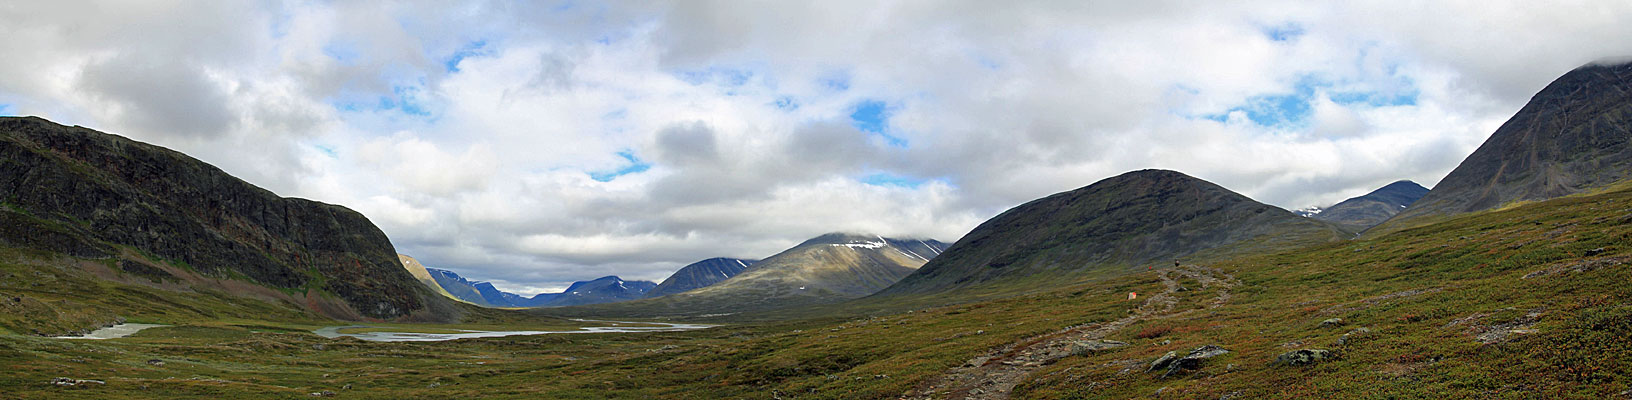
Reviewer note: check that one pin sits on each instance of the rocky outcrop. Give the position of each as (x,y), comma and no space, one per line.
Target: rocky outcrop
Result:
(78,192)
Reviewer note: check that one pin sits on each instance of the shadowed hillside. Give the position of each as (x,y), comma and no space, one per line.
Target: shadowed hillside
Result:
(1111,227)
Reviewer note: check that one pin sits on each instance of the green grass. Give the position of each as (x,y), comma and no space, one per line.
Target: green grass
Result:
(1424,294)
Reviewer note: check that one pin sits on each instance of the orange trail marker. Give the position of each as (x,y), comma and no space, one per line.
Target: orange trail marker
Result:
(1133,295)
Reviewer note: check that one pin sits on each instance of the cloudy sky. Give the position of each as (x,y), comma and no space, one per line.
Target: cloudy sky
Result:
(536,143)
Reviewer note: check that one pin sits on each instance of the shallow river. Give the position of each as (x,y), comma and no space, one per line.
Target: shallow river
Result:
(334,332)
(116,331)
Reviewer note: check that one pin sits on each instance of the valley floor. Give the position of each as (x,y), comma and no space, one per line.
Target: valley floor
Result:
(1528,302)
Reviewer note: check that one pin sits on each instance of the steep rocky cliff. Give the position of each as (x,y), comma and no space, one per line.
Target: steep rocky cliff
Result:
(78,192)
(1573,136)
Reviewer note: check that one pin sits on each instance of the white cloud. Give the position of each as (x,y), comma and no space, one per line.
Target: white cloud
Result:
(724,128)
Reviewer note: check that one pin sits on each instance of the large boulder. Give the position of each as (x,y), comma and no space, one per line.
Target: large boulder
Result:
(1173,363)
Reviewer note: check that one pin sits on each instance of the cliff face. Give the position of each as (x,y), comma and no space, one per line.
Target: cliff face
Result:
(79,192)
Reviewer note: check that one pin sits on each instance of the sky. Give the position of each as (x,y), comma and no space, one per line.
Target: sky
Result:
(532,144)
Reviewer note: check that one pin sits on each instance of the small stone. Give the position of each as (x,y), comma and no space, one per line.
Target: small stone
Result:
(156,362)
(1332,322)
(1352,335)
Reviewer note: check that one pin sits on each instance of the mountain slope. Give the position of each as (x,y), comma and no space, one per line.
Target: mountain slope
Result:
(419,272)
(1572,137)
(700,274)
(834,265)
(75,191)
(1373,208)
(460,288)
(824,270)
(1109,227)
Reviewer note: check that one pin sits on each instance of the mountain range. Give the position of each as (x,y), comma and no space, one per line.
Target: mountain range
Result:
(605,289)
(826,269)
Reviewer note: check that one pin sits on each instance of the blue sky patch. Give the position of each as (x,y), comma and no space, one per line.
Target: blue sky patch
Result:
(329,150)
(1376,99)
(786,103)
(474,48)
(1284,32)
(5,109)
(343,52)
(636,165)
(719,75)
(873,116)
(838,81)
(1292,110)
(1280,110)
(407,101)
(870,116)
(889,179)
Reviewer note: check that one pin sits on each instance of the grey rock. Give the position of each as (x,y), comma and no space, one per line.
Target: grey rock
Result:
(74,382)
(1089,346)
(1305,357)
(1353,334)
(1332,322)
(1174,364)
(1163,362)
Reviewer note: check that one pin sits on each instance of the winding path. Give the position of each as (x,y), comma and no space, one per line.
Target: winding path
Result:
(993,375)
